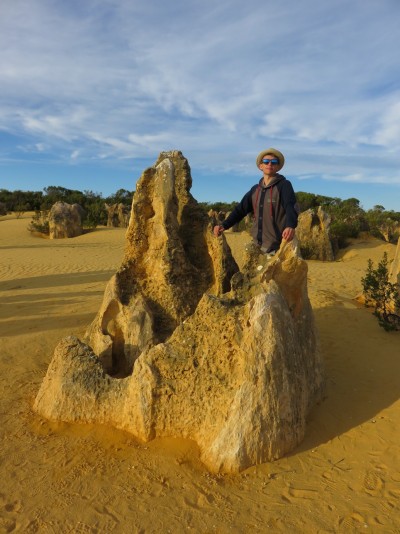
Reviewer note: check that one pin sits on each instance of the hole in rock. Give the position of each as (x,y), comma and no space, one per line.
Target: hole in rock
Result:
(121,368)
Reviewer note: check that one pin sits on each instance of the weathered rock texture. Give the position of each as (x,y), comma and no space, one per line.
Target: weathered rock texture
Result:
(389,230)
(217,217)
(394,275)
(65,220)
(171,259)
(313,234)
(118,215)
(394,278)
(235,370)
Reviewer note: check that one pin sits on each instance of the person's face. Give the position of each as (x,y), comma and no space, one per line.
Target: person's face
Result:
(269,165)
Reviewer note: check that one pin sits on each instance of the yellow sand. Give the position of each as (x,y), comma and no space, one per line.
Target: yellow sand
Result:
(344,477)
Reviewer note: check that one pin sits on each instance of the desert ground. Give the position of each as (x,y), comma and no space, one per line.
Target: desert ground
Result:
(59,478)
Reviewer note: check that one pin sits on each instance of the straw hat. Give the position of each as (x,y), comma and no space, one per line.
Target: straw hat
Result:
(274,152)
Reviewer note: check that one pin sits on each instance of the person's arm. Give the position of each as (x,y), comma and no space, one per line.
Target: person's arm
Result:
(240,211)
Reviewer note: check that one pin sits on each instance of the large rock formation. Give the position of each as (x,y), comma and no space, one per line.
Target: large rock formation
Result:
(118,215)
(313,234)
(389,230)
(171,259)
(237,370)
(65,220)
(394,278)
(394,275)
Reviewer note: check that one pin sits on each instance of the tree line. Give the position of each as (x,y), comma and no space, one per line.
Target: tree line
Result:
(41,201)
(347,216)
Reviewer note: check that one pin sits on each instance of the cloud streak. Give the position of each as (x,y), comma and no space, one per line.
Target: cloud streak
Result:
(102,80)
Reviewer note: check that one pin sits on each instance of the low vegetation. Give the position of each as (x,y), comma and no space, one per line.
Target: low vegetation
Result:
(41,201)
(383,295)
(348,217)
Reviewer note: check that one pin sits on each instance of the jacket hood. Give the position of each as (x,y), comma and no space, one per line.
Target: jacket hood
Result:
(277,178)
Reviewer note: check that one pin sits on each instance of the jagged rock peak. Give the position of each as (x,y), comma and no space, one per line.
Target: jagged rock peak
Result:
(313,233)
(171,259)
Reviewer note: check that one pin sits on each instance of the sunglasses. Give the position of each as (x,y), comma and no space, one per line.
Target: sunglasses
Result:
(272,161)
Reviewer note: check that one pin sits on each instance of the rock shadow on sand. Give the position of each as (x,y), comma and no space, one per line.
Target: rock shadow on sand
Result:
(358,389)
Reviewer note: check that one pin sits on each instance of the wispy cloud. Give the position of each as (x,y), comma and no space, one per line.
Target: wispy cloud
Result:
(101,79)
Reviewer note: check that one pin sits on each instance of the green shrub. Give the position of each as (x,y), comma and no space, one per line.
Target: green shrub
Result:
(40,222)
(95,214)
(382,294)
(341,231)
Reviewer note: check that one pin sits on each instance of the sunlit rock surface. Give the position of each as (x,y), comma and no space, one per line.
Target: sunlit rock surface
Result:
(117,215)
(394,275)
(171,260)
(313,234)
(65,220)
(237,370)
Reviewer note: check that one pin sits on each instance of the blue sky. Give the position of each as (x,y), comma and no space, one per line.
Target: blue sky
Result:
(92,90)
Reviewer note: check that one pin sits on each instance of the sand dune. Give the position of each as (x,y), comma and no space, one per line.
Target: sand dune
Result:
(345,476)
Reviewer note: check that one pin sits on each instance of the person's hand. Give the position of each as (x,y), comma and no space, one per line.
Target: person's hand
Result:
(218,230)
(288,233)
